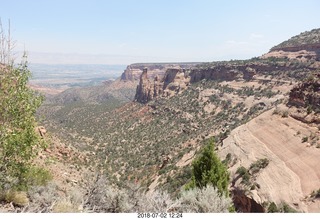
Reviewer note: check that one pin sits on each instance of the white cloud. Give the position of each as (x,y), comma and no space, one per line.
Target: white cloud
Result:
(235,43)
(254,36)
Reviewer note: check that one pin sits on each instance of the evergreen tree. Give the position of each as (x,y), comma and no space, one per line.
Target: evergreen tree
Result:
(208,169)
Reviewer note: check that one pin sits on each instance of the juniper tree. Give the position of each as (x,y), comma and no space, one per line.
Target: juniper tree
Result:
(207,169)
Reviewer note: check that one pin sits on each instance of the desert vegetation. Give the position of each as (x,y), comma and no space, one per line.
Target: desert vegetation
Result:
(102,197)
(164,130)
(18,137)
(158,156)
(207,169)
(307,37)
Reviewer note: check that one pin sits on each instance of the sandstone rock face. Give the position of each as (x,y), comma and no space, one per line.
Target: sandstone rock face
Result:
(306,97)
(227,72)
(172,82)
(157,87)
(304,46)
(312,49)
(292,173)
(304,52)
(178,79)
(134,71)
(131,73)
(145,89)
(216,73)
(307,94)
(245,204)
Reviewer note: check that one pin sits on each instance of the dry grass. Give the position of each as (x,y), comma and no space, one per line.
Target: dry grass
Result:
(64,206)
(19,199)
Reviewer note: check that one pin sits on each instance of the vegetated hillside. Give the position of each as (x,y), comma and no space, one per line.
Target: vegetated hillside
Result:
(154,142)
(307,38)
(305,46)
(177,80)
(123,91)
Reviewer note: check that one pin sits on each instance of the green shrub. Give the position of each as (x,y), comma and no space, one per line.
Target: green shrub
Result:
(272,208)
(205,200)
(315,194)
(285,208)
(285,114)
(259,164)
(241,170)
(209,170)
(304,139)
(17,198)
(18,104)
(309,109)
(227,160)
(37,176)
(245,175)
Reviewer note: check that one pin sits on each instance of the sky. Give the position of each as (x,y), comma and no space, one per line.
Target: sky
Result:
(129,31)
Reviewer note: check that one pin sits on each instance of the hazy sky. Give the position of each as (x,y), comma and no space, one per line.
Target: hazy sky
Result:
(123,31)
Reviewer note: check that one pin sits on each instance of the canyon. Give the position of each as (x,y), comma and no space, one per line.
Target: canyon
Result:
(149,125)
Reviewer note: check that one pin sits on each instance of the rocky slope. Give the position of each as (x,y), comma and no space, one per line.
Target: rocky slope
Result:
(303,46)
(307,93)
(153,140)
(166,132)
(176,80)
(120,90)
(292,173)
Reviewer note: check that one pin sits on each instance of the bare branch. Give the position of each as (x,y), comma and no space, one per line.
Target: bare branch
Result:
(6,45)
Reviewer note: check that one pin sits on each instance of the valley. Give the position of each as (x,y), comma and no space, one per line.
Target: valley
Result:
(145,127)
(151,135)
(54,78)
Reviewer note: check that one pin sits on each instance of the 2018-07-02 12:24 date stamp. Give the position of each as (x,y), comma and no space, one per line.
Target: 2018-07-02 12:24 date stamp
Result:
(159,215)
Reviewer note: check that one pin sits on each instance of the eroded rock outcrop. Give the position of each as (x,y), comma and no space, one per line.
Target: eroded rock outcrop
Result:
(304,46)
(223,73)
(304,52)
(131,73)
(134,71)
(173,81)
(307,93)
(244,204)
(145,89)
(305,97)
(178,79)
